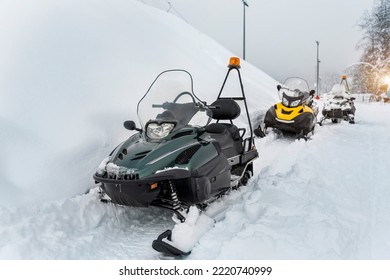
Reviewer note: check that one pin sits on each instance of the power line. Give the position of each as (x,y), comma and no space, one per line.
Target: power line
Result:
(159,4)
(164,5)
(177,12)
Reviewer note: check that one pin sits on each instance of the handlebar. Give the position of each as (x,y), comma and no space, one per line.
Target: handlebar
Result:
(201,105)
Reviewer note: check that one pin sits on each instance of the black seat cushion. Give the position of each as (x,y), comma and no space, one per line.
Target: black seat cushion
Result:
(221,128)
(228,138)
(233,131)
(215,128)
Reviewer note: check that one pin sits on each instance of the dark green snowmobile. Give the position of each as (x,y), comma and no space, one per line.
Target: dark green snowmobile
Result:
(185,153)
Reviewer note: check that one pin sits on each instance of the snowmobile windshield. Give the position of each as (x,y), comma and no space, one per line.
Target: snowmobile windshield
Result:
(294,92)
(170,104)
(339,90)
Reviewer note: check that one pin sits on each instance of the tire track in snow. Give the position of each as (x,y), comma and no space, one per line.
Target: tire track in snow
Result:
(308,200)
(81,228)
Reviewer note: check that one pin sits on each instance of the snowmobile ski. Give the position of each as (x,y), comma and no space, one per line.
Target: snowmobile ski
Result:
(163,247)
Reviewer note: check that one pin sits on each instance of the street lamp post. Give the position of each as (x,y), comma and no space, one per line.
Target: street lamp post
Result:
(318,69)
(245,4)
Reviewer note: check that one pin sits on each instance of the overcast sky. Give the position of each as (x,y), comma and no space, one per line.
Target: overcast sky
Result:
(281,34)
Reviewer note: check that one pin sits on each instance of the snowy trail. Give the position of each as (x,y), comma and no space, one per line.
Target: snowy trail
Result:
(327,198)
(322,199)
(81,228)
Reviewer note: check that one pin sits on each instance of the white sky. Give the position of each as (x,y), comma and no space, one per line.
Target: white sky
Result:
(281,34)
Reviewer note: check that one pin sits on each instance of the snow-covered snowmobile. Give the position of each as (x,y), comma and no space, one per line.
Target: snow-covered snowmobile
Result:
(296,114)
(339,104)
(185,153)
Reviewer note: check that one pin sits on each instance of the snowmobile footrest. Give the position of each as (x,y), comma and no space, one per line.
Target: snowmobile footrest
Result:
(163,247)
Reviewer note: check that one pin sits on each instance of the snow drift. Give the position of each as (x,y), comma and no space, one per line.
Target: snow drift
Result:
(71,74)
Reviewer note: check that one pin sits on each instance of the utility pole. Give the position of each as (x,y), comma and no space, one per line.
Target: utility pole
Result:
(245,4)
(318,69)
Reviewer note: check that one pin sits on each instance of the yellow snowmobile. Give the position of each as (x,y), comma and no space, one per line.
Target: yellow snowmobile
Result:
(296,114)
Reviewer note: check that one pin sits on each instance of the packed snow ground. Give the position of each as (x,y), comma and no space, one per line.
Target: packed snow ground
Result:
(71,72)
(326,198)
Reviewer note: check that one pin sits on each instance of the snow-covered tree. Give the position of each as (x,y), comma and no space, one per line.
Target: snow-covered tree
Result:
(376,48)
(329,79)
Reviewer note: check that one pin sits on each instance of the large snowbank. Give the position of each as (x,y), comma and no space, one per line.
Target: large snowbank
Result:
(71,73)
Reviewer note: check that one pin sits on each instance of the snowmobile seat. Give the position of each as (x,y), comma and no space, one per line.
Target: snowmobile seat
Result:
(224,128)
(228,137)
(226,134)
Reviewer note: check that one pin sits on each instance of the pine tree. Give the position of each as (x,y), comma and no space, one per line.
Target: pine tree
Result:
(369,76)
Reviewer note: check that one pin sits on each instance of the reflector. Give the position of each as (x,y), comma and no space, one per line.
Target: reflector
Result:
(153,186)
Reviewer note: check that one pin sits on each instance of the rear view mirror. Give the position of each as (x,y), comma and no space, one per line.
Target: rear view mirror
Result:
(130,125)
(278,87)
(312,92)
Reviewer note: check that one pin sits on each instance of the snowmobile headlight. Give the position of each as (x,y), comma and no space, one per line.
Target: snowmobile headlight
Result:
(295,103)
(285,101)
(158,131)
